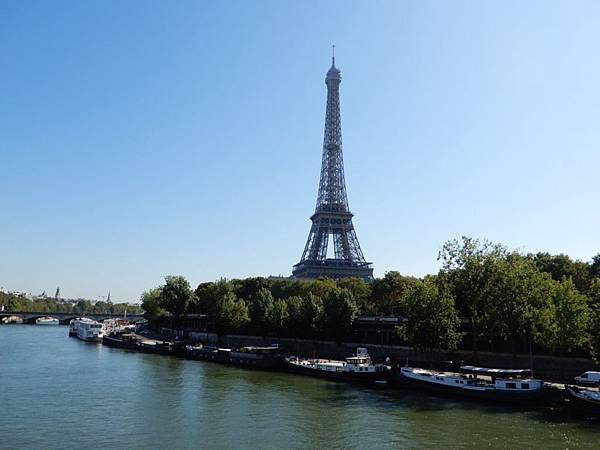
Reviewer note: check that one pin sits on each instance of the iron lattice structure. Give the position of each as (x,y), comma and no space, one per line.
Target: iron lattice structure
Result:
(332,215)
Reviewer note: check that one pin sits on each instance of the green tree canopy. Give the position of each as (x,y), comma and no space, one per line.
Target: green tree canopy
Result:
(152,306)
(231,312)
(432,319)
(260,307)
(520,294)
(278,315)
(339,312)
(469,268)
(176,295)
(565,322)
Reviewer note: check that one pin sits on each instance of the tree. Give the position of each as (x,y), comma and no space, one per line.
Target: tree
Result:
(469,269)
(249,287)
(175,296)
(387,295)
(565,322)
(210,295)
(83,307)
(339,312)
(260,310)
(312,312)
(594,333)
(151,304)
(432,319)
(295,317)
(278,315)
(361,291)
(521,293)
(561,266)
(321,287)
(594,294)
(232,313)
(595,267)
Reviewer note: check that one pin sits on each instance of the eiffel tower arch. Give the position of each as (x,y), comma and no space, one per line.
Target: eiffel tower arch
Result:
(332,216)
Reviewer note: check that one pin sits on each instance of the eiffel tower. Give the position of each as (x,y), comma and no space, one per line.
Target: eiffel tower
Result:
(332,215)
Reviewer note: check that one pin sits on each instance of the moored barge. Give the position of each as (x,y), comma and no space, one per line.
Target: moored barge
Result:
(506,385)
(265,358)
(357,369)
(208,353)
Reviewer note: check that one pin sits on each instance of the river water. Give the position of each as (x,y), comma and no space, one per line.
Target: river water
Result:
(59,392)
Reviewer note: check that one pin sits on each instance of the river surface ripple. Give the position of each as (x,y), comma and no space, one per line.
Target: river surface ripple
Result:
(58,392)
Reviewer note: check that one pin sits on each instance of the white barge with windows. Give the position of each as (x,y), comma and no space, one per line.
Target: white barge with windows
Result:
(357,368)
(86,329)
(512,385)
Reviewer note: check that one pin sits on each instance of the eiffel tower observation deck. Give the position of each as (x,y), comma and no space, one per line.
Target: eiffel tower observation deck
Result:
(332,215)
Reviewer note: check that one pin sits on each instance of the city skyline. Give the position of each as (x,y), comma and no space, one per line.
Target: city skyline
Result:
(143,140)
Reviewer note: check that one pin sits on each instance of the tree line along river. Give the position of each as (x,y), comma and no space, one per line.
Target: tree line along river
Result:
(57,392)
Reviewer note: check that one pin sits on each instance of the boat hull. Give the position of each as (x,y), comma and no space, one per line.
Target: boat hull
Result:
(119,343)
(210,356)
(96,339)
(380,377)
(249,362)
(581,405)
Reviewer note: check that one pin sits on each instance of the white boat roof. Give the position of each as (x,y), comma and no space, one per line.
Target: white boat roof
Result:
(496,372)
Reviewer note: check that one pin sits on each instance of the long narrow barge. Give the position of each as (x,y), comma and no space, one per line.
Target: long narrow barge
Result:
(503,385)
(265,358)
(132,341)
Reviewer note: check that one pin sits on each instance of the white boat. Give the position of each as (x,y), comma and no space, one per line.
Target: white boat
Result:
(47,321)
(73,326)
(86,329)
(476,382)
(12,319)
(358,368)
(116,326)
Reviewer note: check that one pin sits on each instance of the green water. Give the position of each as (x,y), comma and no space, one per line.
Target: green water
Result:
(59,392)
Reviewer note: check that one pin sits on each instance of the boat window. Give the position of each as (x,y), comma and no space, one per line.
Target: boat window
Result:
(511,385)
(524,385)
(585,375)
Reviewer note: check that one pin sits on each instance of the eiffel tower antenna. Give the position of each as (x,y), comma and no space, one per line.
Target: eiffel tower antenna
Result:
(332,215)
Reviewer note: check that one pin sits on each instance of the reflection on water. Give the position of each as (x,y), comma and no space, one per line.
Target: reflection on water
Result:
(58,392)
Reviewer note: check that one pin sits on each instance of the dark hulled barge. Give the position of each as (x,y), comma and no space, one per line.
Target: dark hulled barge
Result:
(506,385)
(208,353)
(265,358)
(357,369)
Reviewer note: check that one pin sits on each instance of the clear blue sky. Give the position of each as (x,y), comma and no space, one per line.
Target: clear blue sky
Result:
(145,138)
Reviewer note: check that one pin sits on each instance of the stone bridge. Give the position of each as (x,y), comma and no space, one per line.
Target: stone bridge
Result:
(64,318)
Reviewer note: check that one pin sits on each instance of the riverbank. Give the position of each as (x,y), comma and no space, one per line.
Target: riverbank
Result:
(550,368)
